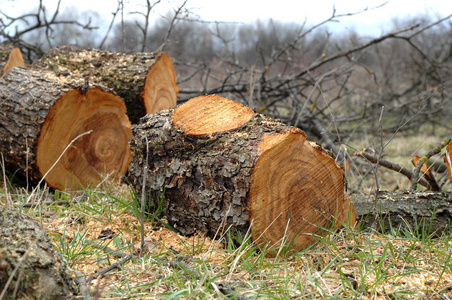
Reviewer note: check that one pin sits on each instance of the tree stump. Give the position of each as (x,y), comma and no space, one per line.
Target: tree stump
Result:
(219,165)
(41,114)
(146,81)
(25,247)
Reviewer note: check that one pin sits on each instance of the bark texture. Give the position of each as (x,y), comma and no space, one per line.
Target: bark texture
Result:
(146,81)
(41,272)
(220,166)
(426,211)
(41,113)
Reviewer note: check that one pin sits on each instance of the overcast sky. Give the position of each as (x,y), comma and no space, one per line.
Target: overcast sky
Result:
(372,21)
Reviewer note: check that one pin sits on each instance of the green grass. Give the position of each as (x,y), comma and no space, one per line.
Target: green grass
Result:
(352,263)
(348,264)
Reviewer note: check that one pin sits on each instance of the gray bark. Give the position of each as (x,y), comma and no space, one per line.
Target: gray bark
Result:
(40,271)
(123,73)
(427,212)
(204,179)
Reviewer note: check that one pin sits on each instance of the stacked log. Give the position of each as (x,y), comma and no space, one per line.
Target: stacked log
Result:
(41,114)
(66,118)
(146,81)
(220,166)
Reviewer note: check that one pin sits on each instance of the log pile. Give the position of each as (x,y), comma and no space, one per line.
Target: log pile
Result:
(68,93)
(220,166)
(217,163)
(146,81)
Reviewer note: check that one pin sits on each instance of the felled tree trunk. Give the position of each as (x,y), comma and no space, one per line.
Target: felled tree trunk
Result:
(146,81)
(427,212)
(218,164)
(41,114)
(28,259)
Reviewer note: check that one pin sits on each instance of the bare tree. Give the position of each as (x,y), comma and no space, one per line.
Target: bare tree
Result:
(14,30)
(144,28)
(333,88)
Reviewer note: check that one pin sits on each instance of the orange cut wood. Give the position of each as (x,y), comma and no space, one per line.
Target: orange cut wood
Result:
(205,115)
(103,152)
(448,160)
(40,119)
(349,213)
(424,169)
(160,89)
(15,60)
(297,191)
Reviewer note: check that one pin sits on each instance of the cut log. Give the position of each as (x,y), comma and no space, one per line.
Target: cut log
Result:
(426,212)
(146,81)
(15,59)
(219,165)
(41,114)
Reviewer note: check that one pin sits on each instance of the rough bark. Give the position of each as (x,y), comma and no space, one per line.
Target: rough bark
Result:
(424,211)
(219,165)
(41,113)
(40,271)
(146,81)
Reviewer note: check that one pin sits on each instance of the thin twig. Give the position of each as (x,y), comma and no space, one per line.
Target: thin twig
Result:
(171,27)
(80,279)
(391,166)
(9,201)
(124,258)
(106,249)
(116,265)
(51,168)
(111,25)
(59,202)
(143,192)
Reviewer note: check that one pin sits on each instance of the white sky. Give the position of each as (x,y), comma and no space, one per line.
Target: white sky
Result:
(313,11)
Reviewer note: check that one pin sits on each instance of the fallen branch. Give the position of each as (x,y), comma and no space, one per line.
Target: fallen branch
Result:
(228,290)
(107,269)
(178,264)
(389,165)
(80,279)
(107,249)
(124,258)
(422,212)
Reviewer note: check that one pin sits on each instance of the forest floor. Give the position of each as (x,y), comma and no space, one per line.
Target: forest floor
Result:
(352,263)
